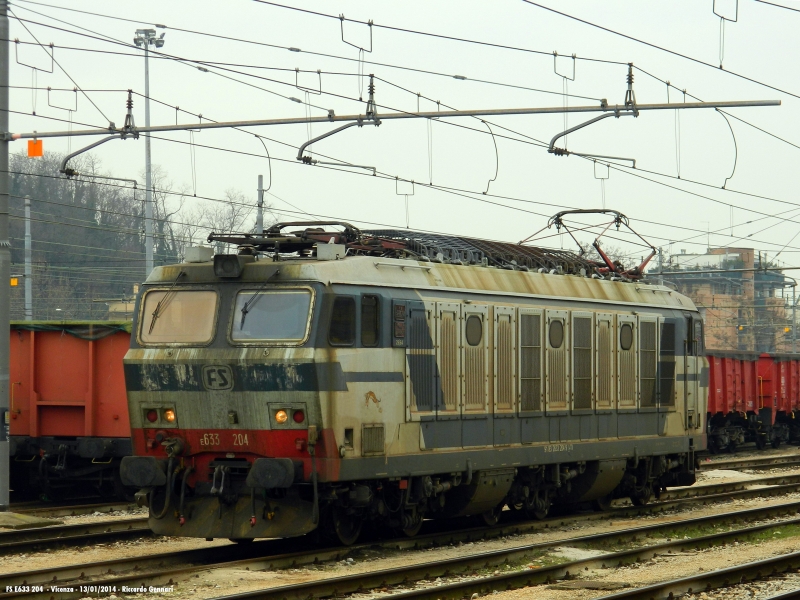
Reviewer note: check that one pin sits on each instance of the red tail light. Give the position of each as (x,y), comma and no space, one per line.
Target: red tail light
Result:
(299,416)
(152,416)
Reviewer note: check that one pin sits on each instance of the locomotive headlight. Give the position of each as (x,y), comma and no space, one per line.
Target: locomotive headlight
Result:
(169,415)
(281,416)
(152,415)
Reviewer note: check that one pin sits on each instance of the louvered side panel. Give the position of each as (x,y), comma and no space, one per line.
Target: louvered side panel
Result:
(627,378)
(474,378)
(666,393)
(505,363)
(372,439)
(448,360)
(582,368)
(422,362)
(530,361)
(605,365)
(647,363)
(557,378)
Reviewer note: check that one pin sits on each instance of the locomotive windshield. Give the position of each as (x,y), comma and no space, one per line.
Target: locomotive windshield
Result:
(178,317)
(271,315)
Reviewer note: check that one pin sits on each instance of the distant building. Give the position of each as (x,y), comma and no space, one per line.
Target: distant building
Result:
(744,308)
(121,309)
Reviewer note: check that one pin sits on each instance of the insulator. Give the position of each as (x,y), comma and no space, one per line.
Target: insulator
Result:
(129,102)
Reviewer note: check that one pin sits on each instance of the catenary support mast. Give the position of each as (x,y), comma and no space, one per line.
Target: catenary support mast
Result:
(5,264)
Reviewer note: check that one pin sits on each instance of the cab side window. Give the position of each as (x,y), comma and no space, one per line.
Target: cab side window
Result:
(698,337)
(342,330)
(694,336)
(370,321)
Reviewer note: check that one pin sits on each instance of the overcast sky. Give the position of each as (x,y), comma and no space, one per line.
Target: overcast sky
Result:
(530,185)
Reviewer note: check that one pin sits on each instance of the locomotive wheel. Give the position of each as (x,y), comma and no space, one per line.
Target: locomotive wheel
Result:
(731,447)
(413,530)
(537,508)
(643,497)
(713,446)
(491,517)
(602,504)
(346,527)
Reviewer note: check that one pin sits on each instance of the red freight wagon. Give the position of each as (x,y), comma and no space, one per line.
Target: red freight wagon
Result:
(69,413)
(779,381)
(734,413)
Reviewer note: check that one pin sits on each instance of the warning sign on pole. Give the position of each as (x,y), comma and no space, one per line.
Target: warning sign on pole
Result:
(35,148)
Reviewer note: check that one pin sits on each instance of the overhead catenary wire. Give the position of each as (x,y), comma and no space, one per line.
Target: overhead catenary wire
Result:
(75,83)
(331,94)
(319,54)
(332,16)
(536,141)
(452,191)
(433,35)
(661,48)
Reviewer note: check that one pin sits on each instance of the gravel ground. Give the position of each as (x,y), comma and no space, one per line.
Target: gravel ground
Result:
(210,584)
(97,517)
(758,589)
(751,452)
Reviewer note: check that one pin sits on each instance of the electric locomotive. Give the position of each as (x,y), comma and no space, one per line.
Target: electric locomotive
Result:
(325,377)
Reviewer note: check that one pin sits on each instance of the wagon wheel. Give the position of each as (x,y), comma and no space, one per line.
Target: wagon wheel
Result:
(347,527)
(761,440)
(731,447)
(776,441)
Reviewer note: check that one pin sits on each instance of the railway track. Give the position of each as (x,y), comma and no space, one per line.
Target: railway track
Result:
(168,568)
(466,566)
(712,580)
(23,540)
(761,462)
(71,510)
(407,575)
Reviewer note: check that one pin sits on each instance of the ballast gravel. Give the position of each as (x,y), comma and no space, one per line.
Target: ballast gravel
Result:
(218,582)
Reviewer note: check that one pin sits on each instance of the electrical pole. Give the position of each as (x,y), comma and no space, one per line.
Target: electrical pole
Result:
(260,213)
(5,264)
(146,38)
(148,174)
(28,262)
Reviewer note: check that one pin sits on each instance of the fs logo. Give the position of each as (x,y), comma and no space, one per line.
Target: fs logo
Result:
(217,377)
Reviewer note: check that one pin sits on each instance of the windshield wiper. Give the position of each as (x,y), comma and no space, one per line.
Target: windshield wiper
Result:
(256,295)
(162,304)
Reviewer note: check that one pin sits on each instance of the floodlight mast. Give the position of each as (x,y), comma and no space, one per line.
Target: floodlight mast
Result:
(144,39)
